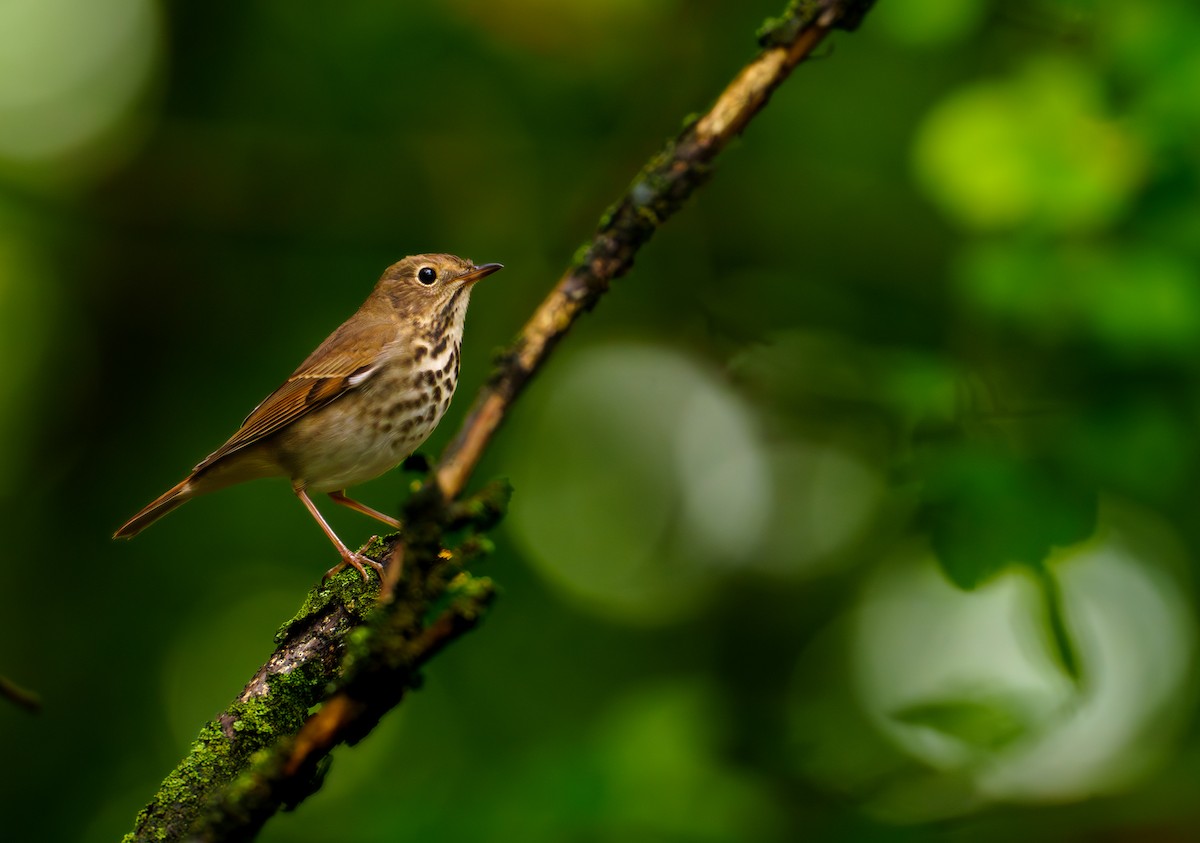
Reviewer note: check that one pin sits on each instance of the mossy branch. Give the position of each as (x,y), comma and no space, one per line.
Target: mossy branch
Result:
(263,752)
(356,649)
(382,659)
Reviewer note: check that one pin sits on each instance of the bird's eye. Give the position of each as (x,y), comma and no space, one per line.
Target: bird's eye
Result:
(426,275)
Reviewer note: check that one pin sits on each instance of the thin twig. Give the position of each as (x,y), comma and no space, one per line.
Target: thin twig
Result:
(13,692)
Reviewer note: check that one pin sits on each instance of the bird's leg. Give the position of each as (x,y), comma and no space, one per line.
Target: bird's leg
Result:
(350,503)
(355,560)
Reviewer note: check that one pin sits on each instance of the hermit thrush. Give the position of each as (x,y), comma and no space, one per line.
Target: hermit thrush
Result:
(359,405)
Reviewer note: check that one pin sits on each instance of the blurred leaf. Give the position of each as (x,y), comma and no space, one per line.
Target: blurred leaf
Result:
(922,797)
(582,27)
(986,511)
(1152,49)
(1138,446)
(1136,303)
(987,723)
(815,376)
(660,755)
(1063,648)
(666,478)
(28,318)
(923,388)
(63,111)
(929,23)
(1033,149)
(803,372)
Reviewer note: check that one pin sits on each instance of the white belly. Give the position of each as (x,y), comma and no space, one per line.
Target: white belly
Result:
(365,432)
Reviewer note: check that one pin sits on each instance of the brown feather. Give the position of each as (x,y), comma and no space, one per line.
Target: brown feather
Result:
(323,377)
(176,496)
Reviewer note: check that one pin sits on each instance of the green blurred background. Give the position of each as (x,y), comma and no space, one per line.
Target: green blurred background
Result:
(864,509)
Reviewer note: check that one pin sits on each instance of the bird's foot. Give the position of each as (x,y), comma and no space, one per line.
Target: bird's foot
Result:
(359,562)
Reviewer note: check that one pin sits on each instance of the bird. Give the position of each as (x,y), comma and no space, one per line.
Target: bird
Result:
(359,405)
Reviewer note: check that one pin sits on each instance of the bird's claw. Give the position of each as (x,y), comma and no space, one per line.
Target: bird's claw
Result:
(358,562)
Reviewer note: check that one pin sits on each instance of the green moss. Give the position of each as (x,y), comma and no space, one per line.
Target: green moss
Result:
(482,510)
(781,30)
(215,759)
(345,587)
(470,596)
(472,548)
(661,188)
(377,547)
(582,255)
(606,219)
(650,217)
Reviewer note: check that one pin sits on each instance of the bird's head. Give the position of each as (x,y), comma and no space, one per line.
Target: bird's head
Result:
(429,288)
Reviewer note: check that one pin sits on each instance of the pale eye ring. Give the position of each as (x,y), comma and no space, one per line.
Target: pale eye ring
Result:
(426,275)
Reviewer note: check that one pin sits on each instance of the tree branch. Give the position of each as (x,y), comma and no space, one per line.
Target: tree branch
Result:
(263,753)
(13,692)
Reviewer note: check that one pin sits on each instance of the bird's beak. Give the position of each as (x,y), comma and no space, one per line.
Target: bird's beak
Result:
(475,273)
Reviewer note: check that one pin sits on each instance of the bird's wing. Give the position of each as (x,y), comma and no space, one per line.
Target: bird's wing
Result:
(344,361)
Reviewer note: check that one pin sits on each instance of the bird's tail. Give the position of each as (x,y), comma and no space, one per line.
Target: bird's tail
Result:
(175,496)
